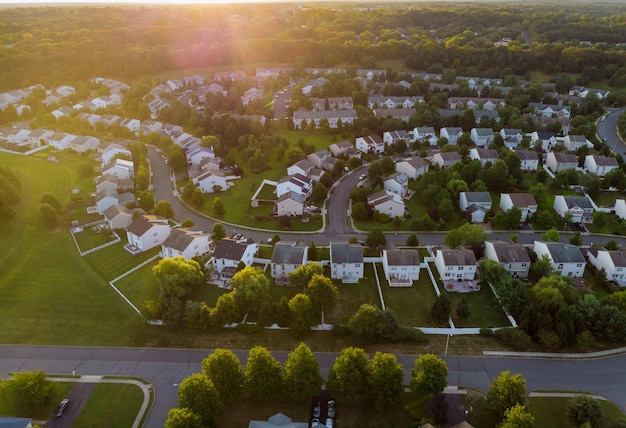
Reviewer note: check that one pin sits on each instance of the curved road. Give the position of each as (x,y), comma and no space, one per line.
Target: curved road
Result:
(166,368)
(607,131)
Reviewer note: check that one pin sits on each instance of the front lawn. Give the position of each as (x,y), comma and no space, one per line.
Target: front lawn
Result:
(111,405)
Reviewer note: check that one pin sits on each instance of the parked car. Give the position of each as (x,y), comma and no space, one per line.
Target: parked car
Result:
(331,408)
(329,423)
(362,176)
(65,403)
(317,409)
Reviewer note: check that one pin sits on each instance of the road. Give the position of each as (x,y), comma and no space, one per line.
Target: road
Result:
(166,368)
(607,131)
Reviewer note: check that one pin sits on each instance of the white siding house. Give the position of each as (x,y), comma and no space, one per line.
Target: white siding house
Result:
(412,167)
(452,134)
(185,242)
(290,204)
(346,262)
(476,204)
(454,265)
(228,253)
(286,257)
(566,259)
(600,165)
(579,208)
(147,232)
(524,201)
(512,257)
(446,160)
(401,267)
(558,162)
(529,161)
(386,203)
(613,263)
(370,144)
(482,136)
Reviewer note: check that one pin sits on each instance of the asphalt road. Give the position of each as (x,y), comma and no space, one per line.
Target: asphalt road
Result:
(607,130)
(166,368)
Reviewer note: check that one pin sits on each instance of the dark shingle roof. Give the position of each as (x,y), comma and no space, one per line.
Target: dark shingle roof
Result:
(402,257)
(231,249)
(507,252)
(342,252)
(289,253)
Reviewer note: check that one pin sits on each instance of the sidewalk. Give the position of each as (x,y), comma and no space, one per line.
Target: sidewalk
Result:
(556,355)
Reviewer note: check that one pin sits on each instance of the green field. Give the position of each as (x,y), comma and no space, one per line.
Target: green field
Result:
(111,405)
(485,311)
(411,304)
(44,412)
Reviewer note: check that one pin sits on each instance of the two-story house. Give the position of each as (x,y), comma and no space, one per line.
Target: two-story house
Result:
(401,267)
(185,242)
(146,232)
(229,252)
(524,201)
(613,263)
(578,208)
(477,204)
(557,162)
(386,202)
(446,160)
(397,183)
(452,134)
(412,167)
(529,161)
(566,259)
(370,144)
(482,137)
(346,262)
(484,155)
(600,165)
(455,265)
(286,257)
(512,257)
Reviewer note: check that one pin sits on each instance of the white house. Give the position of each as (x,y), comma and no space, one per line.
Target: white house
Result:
(484,155)
(566,259)
(397,183)
(512,137)
(386,203)
(550,110)
(318,158)
(452,134)
(334,118)
(147,232)
(579,208)
(600,165)
(211,181)
(290,204)
(61,140)
(113,150)
(195,155)
(482,136)
(557,162)
(425,133)
(185,242)
(476,204)
(412,167)
(392,137)
(613,263)
(118,217)
(83,143)
(529,161)
(620,208)
(342,149)
(105,199)
(303,167)
(524,201)
(298,183)
(401,267)
(228,253)
(455,265)
(512,257)
(370,144)
(346,262)
(548,139)
(120,168)
(575,142)
(446,160)
(286,257)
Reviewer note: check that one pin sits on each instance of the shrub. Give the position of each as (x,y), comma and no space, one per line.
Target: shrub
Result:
(514,337)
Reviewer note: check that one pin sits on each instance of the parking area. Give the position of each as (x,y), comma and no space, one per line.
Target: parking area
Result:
(78,396)
(323,411)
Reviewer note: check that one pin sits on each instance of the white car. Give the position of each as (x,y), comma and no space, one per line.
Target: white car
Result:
(329,423)
(362,176)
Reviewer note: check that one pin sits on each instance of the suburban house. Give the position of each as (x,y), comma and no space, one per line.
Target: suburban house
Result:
(343,149)
(195,155)
(613,263)
(298,183)
(524,201)
(581,91)
(620,208)
(456,103)
(484,155)
(477,204)
(579,208)
(370,144)
(228,253)
(412,167)
(316,118)
(121,168)
(566,259)
(318,158)
(105,199)
(185,242)
(512,257)
(83,143)
(303,167)
(575,142)
(118,217)
(371,74)
(334,103)
(548,139)
(346,262)
(15,422)
(113,150)
(404,114)
(397,183)
(512,137)
(375,102)
(147,232)
(446,160)
(286,257)
(290,204)
(210,181)
(600,165)
(482,136)
(392,137)
(452,134)
(386,203)
(529,161)
(458,264)
(550,110)
(401,267)
(60,140)
(557,162)
(318,83)
(425,133)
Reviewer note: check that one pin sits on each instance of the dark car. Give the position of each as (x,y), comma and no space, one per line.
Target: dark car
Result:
(65,403)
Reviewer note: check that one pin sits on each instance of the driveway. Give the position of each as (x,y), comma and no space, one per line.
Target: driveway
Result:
(78,396)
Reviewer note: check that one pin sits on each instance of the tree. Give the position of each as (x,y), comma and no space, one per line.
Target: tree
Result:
(262,375)
(467,234)
(301,376)
(182,418)
(177,276)
(576,239)
(30,392)
(301,275)
(437,408)
(359,212)
(375,239)
(513,218)
(323,293)
(517,417)
(429,376)
(251,288)
(226,310)
(198,394)
(506,391)
(462,309)
(301,313)
(218,207)
(440,310)
(224,369)
(52,200)
(551,235)
(369,323)
(49,216)
(539,191)
(164,209)
(412,241)
(319,193)
(218,232)
(584,409)
(347,378)
(385,380)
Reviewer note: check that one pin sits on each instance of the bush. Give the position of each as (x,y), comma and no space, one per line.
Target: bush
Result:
(487,332)
(514,337)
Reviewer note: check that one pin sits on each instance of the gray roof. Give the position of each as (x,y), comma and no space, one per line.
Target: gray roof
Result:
(522,200)
(231,249)
(564,253)
(527,155)
(402,257)
(578,201)
(477,197)
(565,157)
(291,195)
(144,224)
(180,238)
(507,252)
(486,153)
(416,162)
(459,257)
(618,257)
(288,253)
(604,160)
(115,210)
(342,252)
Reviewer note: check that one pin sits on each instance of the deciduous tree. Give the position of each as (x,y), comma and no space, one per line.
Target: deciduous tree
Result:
(429,375)
(301,314)
(584,409)
(323,293)
(506,391)
(30,392)
(518,417)
(262,375)
(182,418)
(302,373)
(347,378)
(224,369)
(301,275)
(385,380)
(164,209)
(467,234)
(198,394)
(375,239)
(251,288)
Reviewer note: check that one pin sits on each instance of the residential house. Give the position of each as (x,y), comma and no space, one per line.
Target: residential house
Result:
(484,155)
(600,165)
(196,154)
(303,167)
(371,74)
(386,202)
(456,103)
(250,95)
(39,137)
(14,422)
(113,150)
(147,232)
(446,160)
(425,133)
(581,91)
(575,142)
(290,204)
(550,110)
(620,208)
(318,83)
(229,252)
(211,181)
(557,162)
(105,199)
(83,143)
(318,158)
(333,103)
(342,149)
(404,114)
(455,265)
(524,201)
(121,168)
(60,140)
(613,263)
(185,242)
(476,204)
(375,102)
(413,167)
(334,118)
(512,137)
(118,217)
(578,208)
(346,262)
(452,134)
(482,136)
(512,257)
(370,144)
(286,257)
(298,183)
(529,161)
(230,75)
(397,183)
(392,137)
(401,267)
(566,259)
(548,139)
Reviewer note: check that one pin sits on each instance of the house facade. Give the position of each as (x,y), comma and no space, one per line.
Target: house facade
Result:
(566,259)
(600,165)
(401,267)
(370,144)
(613,263)
(412,167)
(529,161)
(455,265)
(579,208)
(452,134)
(397,183)
(512,257)
(446,160)
(482,136)
(290,204)
(147,232)
(524,201)
(558,162)
(477,204)
(484,155)
(185,242)
(386,203)
(346,262)
(229,252)
(286,257)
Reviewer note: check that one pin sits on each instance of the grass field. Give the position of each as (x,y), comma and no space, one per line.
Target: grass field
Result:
(111,405)
(352,296)
(89,238)
(411,304)
(44,412)
(484,309)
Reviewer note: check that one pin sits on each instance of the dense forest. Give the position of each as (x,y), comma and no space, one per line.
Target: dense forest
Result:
(55,45)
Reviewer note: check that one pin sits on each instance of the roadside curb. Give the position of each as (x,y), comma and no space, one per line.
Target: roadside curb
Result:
(555,355)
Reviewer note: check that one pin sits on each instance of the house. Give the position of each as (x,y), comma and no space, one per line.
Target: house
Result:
(250,95)
(452,134)
(455,103)
(195,155)
(613,263)
(557,162)
(370,144)
(147,232)
(476,204)
(290,204)
(512,137)
(620,208)
(529,161)
(581,91)
(303,167)
(484,155)
(83,143)
(566,259)
(185,242)
(39,137)
(346,262)
(115,150)
(371,74)
(336,103)
(277,421)
(575,142)
(121,168)
(318,83)
(298,183)
(105,199)
(14,422)
(550,110)
(61,140)
(404,114)
(376,102)
(600,165)
(286,257)
(524,201)
(458,264)
(317,159)
(548,139)
(425,133)
(446,160)
(392,137)
(334,118)
(512,257)
(482,136)
(397,183)
(343,149)
(578,208)
(210,181)
(228,253)
(412,167)
(118,217)
(386,203)
(401,267)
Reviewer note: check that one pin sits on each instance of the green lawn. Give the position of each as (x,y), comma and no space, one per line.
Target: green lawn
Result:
(352,296)
(484,309)
(113,261)
(111,405)
(411,304)
(141,285)
(607,199)
(89,238)
(550,411)
(44,412)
